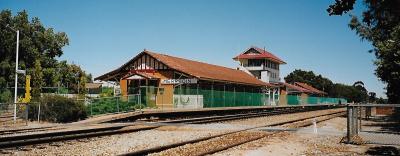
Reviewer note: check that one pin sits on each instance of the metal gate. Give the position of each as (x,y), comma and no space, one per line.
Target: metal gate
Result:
(373,124)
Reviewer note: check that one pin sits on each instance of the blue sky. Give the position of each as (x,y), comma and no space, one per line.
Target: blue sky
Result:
(105,34)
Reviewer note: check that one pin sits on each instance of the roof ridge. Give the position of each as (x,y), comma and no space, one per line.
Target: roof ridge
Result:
(188,59)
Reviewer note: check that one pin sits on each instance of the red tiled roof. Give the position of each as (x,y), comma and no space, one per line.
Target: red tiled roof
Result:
(196,69)
(262,54)
(206,71)
(310,88)
(300,89)
(143,74)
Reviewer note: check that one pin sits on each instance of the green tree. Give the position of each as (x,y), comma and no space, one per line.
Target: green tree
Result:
(372,97)
(38,46)
(39,49)
(354,93)
(380,25)
(363,97)
(37,81)
(310,78)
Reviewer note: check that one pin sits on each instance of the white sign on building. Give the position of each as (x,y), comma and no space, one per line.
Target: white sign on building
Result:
(179,81)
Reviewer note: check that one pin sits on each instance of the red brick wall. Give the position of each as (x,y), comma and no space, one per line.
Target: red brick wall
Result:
(384,110)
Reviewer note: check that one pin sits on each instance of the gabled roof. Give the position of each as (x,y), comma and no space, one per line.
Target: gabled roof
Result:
(297,88)
(141,74)
(310,88)
(261,54)
(196,69)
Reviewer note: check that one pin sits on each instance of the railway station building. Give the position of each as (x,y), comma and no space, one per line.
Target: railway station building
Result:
(172,82)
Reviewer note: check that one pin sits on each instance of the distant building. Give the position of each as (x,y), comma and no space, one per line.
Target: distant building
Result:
(301,93)
(261,64)
(311,89)
(93,89)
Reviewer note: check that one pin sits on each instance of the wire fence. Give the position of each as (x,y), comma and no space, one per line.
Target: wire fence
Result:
(298,100)
(204,98)
(104,105)
(373,124)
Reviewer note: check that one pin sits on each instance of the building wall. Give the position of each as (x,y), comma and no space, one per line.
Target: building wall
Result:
(282,100)
(124,87)
(273,74)
(165,100)
(303,98)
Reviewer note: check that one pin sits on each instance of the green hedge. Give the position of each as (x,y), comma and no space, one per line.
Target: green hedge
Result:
(55,108)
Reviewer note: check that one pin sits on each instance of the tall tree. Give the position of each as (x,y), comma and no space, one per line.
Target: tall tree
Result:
(309,77)
(37,46)
(37,81)
(39,49)
(363,93)
(380,25)
(353,93)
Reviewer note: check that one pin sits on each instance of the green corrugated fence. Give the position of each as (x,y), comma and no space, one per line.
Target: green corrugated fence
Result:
(296,100)
(215,98)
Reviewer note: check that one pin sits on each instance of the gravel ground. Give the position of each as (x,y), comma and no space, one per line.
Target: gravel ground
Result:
(118,144)
(33,124)
(302,142)
(60,128)
(202,147)
(115,144)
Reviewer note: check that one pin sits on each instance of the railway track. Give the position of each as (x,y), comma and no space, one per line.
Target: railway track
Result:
(26,130)
(228,140)
(46,137)
(221,118)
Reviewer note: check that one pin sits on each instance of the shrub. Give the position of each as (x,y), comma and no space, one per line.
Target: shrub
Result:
(55,108)
(5,95)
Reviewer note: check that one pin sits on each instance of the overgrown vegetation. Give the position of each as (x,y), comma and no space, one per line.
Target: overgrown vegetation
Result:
(107,92)
(55,108)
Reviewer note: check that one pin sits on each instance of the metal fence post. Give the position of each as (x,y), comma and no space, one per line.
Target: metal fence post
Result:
(360,119)
(26,114)
(38,117)
(355,120)
(349,124)
(91,109)
(118,104)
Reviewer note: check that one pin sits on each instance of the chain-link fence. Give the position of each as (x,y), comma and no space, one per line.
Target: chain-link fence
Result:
(104,105)
(373,124)
(185,97)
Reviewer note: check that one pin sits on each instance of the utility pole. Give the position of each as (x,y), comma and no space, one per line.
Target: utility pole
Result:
(16,80)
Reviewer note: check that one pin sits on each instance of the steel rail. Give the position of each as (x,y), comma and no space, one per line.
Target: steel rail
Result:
(169,146)
(304,124)
(30,139)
